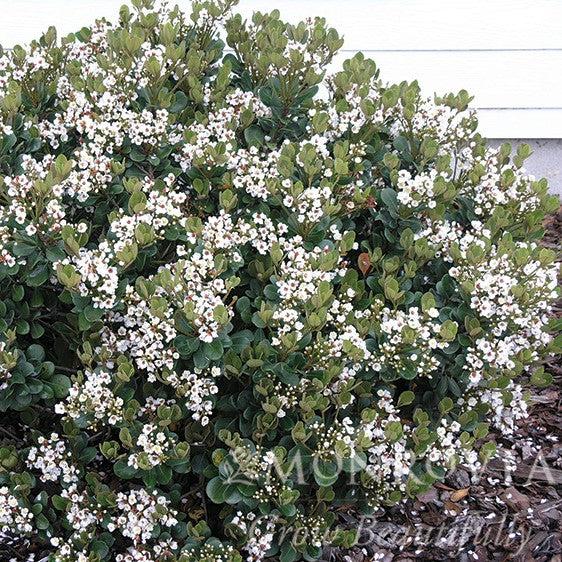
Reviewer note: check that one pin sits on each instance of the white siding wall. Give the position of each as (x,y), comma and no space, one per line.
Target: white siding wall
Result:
(507,53)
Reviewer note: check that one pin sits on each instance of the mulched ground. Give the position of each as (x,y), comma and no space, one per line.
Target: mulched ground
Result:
(511,511)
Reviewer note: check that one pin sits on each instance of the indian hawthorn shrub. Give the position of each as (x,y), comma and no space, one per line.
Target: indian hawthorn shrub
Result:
(238,296)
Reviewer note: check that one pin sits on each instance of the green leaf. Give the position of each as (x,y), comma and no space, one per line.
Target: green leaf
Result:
(325,473)
(41,522)
(60,385)
(401,144)
(220,314)
(123,470)
(93,314)
(99,548)
(541,378)
(21,249)
(406,398)
(88,455)
(216,490)
(555,345)
(448,330)
(393,431)
(39,275)
(446,405)
(254,136)
(213,350)
(137,156)
(180,103)
(241,340)
(163,474)
(388,197)
(288,552)
(35,353)
(355,464)
(186,346)
(59,502)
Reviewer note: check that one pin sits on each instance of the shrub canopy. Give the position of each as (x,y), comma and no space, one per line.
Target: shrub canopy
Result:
(238,297)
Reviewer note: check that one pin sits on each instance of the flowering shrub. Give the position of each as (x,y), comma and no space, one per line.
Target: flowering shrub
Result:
(238,296)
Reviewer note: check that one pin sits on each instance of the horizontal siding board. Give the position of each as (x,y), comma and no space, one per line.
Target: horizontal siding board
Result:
(496,79)
(366,24)
(24,20)
(431,24)
(521,123)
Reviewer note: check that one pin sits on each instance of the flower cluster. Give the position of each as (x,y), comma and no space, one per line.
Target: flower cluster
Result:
(299,277)
(197,390)
(329,439)
(408,343)
(83,514)
(91,397)
(229,305)
(154,448)
(52,459)
(141,512)
(14,517)
(388,460)
(494,182)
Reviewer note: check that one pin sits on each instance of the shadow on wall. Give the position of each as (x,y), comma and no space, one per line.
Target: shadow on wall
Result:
(546,160)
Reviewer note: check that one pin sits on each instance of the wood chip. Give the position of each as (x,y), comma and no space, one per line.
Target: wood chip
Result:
(458,495)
